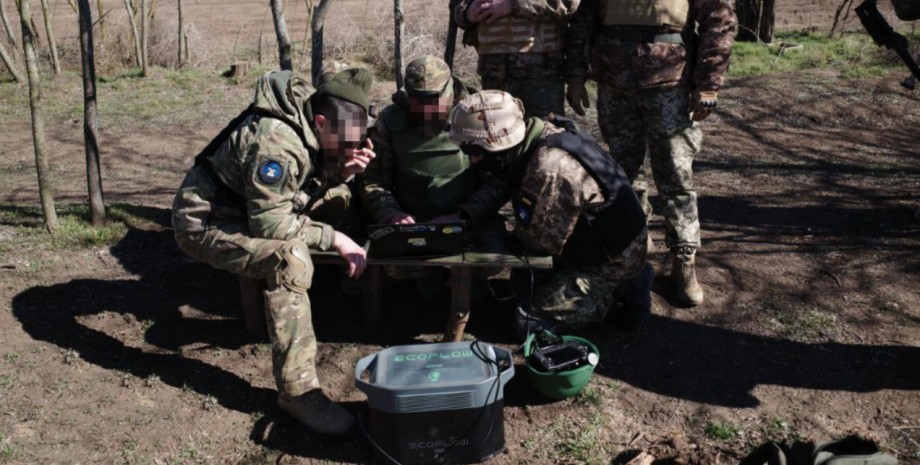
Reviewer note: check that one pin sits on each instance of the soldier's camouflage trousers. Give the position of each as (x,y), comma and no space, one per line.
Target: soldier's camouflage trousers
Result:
(656,123)
(535,78)
(288,270)
(577,296)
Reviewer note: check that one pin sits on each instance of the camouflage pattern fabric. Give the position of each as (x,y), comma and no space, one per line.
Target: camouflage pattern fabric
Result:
(656,123)
(535,78)
(576,296)
(699,64)
(246,239)
(562,190)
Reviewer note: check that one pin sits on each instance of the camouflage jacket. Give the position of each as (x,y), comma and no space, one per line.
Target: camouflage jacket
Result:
(554,9)
(378,183)
(557,191)
(266,161)
(626,65)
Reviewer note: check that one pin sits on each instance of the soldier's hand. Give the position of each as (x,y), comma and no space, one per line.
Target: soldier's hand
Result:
(358,160)
(496,9)
(702,103)
(354,254)
(577,96)
(401,218)
(476,11)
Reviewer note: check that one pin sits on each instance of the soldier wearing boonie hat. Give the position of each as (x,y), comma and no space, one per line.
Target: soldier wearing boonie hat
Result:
(419,174)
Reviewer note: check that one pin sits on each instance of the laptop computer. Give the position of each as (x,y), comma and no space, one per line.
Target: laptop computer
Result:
(416,240)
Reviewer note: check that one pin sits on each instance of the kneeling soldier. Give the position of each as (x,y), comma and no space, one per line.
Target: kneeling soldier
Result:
(570,200)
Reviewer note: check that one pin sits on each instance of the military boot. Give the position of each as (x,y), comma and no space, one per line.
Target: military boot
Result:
(318,412)
(687,290)
(635,300)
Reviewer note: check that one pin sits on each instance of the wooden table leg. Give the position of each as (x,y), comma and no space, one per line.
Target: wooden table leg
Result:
(373,294)
(460,279)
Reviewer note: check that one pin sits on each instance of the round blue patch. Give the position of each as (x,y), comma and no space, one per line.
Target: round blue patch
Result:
(270,172)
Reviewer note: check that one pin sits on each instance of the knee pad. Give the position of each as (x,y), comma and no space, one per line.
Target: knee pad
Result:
(295,267)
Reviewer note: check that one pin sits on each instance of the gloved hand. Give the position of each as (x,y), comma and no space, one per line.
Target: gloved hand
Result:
(702,103)
(577,96)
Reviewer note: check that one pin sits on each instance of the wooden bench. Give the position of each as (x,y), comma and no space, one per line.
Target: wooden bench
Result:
(461,270)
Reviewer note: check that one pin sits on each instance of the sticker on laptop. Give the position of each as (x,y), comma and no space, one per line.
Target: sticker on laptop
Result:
(452,230)
(418,242)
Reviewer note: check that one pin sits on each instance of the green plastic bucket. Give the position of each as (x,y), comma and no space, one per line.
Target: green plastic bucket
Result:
(560,384)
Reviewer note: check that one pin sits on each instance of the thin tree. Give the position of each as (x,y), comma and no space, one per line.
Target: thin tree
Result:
(6,25)
(181,49)
(101,20)
(284,42)
(451,46)
(38,121)
(399,25)
(144,38)
(134,33)
(46,14)
(10,64)
(316,54)
(90,121)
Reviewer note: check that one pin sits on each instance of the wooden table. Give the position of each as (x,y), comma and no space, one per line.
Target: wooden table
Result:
(461,270)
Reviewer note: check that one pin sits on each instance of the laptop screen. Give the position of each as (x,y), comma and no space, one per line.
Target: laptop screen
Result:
(416,240)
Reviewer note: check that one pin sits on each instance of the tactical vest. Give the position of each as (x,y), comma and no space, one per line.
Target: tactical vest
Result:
(513,34)
(652,13)
(432,174)
(603,232)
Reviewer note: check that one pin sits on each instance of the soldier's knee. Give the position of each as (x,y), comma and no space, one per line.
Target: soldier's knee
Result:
(295,267)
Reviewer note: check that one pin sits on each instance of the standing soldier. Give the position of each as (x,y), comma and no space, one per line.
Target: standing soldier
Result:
(659,66)
(520,45)
(251,203)
(571,200)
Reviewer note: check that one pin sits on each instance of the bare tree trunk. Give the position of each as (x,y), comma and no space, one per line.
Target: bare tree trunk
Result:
(45,190)
(767,21)
(6,25)
(284,43)
(306,32)
(134,33)
(144,38)
(838,20)
(73,6)
(450,47)
(10,64)
(101,20)
(90,122)
(180,60)
(316,56)
(46,14)
(399,25)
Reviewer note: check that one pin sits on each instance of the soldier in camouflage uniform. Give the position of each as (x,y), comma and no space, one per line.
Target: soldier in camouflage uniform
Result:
(659,67)
(571,200)
(251,206)
(419,174)
(520,45)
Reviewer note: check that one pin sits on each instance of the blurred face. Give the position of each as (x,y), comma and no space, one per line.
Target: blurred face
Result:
(339,137)
(430,113)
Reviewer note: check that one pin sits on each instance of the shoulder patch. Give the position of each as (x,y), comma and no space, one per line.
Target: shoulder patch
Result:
(270,172)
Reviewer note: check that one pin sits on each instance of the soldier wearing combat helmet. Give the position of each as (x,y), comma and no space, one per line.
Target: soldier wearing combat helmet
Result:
(658,66)
(258,199)
(570,200)
(419,174)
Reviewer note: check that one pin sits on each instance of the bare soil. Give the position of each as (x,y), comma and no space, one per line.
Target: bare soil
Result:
(807,184)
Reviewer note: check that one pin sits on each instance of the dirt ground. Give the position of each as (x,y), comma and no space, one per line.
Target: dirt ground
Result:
(811,327)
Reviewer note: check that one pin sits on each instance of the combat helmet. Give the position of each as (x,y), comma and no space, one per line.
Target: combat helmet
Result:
(491,119)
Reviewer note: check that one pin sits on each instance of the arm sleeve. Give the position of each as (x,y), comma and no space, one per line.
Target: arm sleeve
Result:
(270,201)
(555,210)
(717,25)
(375,185)
(582,27)
(492,194)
